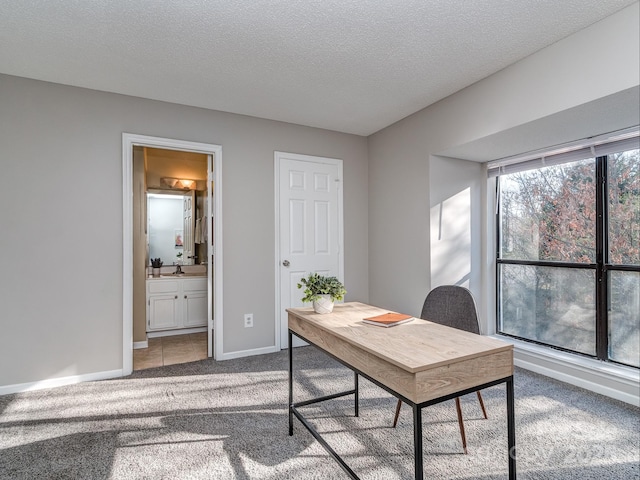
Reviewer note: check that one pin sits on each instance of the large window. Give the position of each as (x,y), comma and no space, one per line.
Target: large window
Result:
(568,257)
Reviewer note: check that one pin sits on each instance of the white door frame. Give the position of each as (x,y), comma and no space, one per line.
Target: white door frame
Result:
(303,158)
(130,140)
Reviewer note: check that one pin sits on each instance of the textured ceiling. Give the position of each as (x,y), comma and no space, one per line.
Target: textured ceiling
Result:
(352,66)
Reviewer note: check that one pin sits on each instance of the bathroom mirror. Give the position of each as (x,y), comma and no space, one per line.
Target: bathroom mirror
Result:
(171,227)
(175,186)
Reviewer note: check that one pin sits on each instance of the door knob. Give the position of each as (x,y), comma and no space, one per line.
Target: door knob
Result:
(286,263)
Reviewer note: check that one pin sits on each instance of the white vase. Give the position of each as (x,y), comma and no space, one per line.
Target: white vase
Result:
(155,271)
(323,305)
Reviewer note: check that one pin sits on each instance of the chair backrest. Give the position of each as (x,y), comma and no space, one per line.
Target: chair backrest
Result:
(453,306)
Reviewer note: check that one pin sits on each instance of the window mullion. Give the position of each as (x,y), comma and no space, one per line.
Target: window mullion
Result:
(602,331)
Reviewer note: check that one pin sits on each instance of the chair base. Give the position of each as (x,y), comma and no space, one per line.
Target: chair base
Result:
(460,420)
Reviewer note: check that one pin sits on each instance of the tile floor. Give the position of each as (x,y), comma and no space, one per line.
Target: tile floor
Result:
(171,350)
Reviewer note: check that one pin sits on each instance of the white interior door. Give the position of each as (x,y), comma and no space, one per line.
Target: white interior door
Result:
(309,217)
(188,243)
(206,225)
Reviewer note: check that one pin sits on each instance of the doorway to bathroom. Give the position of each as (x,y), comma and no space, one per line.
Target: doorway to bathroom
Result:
(172,214)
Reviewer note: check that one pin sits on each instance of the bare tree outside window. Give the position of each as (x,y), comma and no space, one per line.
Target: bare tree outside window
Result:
(547,255)
(624,249)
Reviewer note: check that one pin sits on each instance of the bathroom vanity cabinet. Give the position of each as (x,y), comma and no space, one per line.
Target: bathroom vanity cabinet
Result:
(174,303)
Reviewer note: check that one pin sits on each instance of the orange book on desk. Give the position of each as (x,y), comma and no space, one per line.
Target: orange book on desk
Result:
(388,319)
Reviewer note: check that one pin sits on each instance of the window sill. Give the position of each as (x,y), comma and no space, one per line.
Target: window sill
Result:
(615,381)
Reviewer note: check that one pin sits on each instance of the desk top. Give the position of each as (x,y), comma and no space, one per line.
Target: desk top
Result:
(414,346)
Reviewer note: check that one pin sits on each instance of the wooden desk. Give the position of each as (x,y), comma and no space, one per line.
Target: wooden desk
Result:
(420,362)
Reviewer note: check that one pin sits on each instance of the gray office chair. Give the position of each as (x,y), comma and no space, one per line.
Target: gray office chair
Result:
(452,306)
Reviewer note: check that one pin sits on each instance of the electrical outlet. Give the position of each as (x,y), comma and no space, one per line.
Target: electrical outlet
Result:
(248,320)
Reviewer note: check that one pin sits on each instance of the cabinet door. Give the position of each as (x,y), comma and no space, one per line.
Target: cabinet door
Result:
(194,309)
(163,312)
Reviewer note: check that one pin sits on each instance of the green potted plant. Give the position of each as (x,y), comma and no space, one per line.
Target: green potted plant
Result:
(156,263)
(322,291)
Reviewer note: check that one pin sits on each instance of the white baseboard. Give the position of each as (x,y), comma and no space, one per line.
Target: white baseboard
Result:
(179,331)
(138,345)
(611,380)
(59,382)
(247,353)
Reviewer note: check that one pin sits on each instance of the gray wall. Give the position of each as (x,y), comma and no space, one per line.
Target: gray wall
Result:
(61,220)
(585,84)
(61,197)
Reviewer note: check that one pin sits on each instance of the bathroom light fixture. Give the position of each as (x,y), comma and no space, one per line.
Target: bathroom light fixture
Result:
(180,183)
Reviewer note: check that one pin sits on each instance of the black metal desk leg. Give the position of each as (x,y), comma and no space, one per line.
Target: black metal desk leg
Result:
(511,429)
(357,395)
(417,442)
(290,383)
